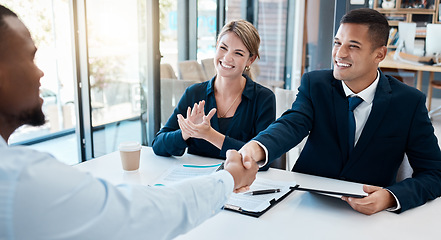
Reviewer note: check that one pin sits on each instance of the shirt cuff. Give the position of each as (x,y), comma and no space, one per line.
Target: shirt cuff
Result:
(262,163)
(398,207)
(227,179)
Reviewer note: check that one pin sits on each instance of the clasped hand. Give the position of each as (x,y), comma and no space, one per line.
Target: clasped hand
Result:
(196,124)
(243,177)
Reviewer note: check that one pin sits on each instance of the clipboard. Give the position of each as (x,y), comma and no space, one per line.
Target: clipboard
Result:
(257,214)
(328,192)
(297,187)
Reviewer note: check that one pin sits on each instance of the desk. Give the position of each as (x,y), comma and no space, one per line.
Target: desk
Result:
(389,62)
(301,215)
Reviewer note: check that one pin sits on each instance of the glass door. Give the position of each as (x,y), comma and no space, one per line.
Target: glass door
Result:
(168,37)
(114,73)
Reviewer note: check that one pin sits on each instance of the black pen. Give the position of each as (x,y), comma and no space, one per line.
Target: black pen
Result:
(266,191)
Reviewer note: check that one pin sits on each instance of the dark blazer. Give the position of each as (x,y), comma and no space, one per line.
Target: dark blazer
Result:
(255,113)
(398,124)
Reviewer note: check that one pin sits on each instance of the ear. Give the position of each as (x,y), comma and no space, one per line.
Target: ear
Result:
(251,60)
(381,53)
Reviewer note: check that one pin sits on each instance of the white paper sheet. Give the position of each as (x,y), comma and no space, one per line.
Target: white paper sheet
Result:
(258,203)
(182,172)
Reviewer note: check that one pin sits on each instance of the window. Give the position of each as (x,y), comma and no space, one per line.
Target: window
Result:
(47,21)
(271,24)
(206,29)
(168,20)
(114,73)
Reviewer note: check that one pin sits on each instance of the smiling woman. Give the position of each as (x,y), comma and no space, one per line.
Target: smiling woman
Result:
(226,111)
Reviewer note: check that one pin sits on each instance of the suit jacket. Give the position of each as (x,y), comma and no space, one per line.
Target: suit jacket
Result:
(398,124)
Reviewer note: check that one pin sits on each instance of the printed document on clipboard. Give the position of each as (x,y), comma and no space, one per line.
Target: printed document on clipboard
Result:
(255,205)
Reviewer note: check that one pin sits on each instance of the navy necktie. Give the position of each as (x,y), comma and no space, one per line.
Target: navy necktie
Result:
(353,103)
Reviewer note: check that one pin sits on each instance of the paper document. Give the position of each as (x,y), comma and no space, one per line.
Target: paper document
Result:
(182,172)
(257,203)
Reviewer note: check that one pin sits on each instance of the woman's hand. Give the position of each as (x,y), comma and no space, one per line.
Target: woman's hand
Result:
(196,114)
(199,129)
(197,124)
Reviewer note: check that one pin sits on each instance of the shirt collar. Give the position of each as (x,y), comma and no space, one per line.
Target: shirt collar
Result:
(247,92)
(367,94)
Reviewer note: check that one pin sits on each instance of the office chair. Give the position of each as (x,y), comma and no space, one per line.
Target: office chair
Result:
(191,70)
(208,66)
(284,100)
(167,71)
(405,170)
(171,92)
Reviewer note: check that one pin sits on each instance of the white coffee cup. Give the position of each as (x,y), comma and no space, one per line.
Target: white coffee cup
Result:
(130,153)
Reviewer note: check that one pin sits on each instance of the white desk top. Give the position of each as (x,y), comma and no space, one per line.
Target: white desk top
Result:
(301,215)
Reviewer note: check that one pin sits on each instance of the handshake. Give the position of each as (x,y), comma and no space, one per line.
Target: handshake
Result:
(243,172)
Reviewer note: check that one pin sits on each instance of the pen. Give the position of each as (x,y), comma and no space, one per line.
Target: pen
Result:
(266,191)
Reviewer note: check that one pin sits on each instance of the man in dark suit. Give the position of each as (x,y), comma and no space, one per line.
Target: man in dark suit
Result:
(390,121)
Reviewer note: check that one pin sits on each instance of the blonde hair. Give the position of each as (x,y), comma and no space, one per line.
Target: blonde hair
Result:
(247,33)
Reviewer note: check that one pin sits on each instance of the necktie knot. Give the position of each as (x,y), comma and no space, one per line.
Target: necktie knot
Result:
(354,102)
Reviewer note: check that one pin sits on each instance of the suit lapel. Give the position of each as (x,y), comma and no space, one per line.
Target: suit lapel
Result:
(341,117)
(380,105)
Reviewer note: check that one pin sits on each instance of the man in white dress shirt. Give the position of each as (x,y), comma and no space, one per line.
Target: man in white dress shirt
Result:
(41,198)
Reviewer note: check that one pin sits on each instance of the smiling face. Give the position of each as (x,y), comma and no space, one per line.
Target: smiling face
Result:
(20,102)
(355,60)
(231,56)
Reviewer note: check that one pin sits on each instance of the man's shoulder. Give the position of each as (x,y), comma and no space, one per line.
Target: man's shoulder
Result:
(399,87)
(324,78)
(16,158)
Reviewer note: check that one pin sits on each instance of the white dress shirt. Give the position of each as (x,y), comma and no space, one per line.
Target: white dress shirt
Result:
(362,111)
(42,198)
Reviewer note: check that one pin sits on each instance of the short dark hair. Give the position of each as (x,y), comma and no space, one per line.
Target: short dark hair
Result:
(376,22)
(3,26)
